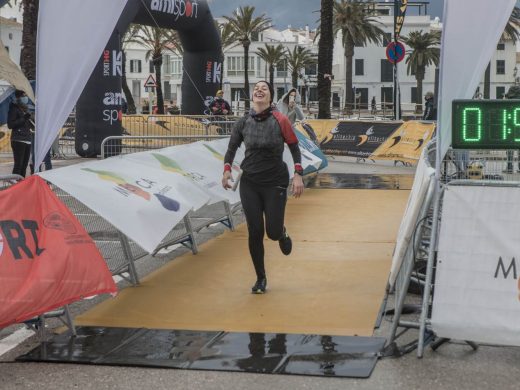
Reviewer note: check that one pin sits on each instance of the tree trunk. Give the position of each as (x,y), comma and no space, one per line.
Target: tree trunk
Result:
(294,79)
(30,25)
(419,76)
(325,51)
(246,75)
(271,75)
(128,94)
(157,63)
(349,95)
(487,81)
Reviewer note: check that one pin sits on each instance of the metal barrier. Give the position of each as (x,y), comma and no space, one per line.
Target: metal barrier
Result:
(118,251)
(135,125)
(37,324)
(459,167)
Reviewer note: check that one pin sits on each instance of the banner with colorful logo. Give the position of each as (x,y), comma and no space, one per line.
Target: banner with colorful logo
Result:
(47,259)
(406,144)
(357,138)
(142,200)
(477,292)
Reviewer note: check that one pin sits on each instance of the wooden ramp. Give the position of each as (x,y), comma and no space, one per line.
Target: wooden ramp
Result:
(333,283)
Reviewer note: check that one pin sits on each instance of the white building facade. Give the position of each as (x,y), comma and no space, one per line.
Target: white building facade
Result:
(372,73)
(11,36)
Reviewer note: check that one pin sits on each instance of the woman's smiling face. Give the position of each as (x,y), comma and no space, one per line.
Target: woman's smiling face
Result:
(261,93)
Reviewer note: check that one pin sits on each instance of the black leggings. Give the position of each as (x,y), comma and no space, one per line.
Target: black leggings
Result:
(21,154)
(258,201)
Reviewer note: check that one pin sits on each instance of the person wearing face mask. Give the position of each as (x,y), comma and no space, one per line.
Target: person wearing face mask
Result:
(265,176)
(18,120)
(289,106)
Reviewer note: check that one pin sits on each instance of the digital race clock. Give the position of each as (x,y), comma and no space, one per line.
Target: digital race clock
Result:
(486,124)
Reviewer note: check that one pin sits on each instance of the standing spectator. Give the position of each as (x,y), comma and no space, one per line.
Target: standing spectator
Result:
(288,105)
(373,106)
(430,112)
(219,106)
(18,120)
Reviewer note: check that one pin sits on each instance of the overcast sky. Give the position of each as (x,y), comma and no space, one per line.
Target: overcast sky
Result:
(297,13)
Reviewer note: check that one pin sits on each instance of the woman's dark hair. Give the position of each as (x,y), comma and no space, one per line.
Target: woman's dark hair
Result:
(286,99)
(271,89)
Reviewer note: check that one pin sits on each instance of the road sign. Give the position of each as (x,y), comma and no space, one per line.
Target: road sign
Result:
(395,52)
(150,82)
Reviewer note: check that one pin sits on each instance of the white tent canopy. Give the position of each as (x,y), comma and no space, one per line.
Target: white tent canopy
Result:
(71,37)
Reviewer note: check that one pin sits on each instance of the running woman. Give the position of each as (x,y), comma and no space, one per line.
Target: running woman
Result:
(265,177)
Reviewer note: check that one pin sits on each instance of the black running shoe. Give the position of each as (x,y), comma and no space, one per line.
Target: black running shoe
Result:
(285,243)
(260,286)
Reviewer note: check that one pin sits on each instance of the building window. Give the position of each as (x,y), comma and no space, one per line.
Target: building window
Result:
(413,95)
(387,71)
(167,91)
(281,69)
(359,67)
(362,98)
(501,46)
(167,64)
(151,68)
(501,67)
(235,66)
(7,48)
(177,69)
(279,92)
(10,35)
(387,38)
(311,70)
(501,91)
(237,94)
(135,66)
(387,97)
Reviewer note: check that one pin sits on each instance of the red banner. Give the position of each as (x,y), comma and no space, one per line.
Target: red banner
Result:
(47,259)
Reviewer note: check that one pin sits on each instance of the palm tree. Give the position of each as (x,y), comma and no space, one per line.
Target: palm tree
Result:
(30,26)
(325,51)
(425,52)
(157,40)
(272,55)
(298,59)
(245,27)
(128,36)
(353,19)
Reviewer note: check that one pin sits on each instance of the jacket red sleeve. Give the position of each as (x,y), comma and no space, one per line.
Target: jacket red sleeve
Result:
(291,140)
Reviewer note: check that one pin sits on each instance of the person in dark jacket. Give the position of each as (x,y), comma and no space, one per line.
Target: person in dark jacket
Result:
(18,120)
(219,106)
(265,176)
(430,112)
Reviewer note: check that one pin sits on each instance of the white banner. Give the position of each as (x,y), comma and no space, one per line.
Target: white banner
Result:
(142,202)
(470,33)
(196,162)
(476,282)
(71,37)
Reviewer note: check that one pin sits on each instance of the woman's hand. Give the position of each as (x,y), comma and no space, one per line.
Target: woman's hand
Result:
(225,180)
(297,185)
